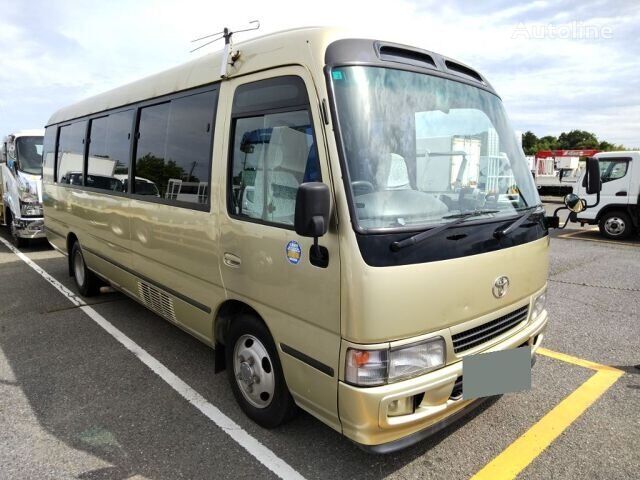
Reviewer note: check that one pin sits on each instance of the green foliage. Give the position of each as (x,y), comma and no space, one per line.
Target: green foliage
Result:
(155,169)
(573,140)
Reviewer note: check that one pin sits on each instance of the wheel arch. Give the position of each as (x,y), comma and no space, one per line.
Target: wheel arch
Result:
(225,314)
(614,207)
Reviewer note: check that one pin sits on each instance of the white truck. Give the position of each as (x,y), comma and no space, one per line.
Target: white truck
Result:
(21,185)
(617,209)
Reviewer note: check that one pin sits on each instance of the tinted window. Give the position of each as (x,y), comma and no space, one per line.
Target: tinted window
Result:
(174,149)
(279,92)
(29,152)
(273,153)
(108,162)
(70,157)
(48,153)
(612,169)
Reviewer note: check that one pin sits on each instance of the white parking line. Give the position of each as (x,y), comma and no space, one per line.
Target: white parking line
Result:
(235,431)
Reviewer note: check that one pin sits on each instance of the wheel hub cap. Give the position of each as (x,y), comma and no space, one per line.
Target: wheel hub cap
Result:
(253,371)
(614,226)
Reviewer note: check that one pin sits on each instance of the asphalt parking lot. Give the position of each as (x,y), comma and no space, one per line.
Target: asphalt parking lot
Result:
(75,403)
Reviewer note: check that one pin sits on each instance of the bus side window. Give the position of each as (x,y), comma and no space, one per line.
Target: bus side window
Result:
(173,159)
(48,154)
(273,153)
(70,155)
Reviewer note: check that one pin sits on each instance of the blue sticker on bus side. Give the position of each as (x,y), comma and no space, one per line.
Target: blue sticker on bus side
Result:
(294,252)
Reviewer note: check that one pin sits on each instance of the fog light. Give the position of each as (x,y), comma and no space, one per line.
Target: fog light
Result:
(401,406)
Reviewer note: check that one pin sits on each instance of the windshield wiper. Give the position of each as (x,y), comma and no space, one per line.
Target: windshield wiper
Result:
(419,237)
(516,224)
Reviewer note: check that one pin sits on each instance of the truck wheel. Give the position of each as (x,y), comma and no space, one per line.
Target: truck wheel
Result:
(615,225)
(17,241)
(255,373)
(86,281)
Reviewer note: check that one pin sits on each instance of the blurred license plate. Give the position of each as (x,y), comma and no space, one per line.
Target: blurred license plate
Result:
(495,373)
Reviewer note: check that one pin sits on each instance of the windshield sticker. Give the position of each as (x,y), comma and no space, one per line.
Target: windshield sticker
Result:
(294,252)
(337,75)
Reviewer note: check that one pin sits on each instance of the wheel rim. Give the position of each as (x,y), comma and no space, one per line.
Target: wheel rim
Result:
(78,268)
(614,226)
(253,371)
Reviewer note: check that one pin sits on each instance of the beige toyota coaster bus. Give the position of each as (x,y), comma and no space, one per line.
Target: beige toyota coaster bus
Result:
(343,220)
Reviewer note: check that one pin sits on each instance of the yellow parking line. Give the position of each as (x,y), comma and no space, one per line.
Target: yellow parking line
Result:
(576,361)
(532,443)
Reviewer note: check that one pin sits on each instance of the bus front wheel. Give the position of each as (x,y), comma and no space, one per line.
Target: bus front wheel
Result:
(255,373)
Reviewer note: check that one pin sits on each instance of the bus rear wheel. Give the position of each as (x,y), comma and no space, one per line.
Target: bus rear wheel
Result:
(255,373)
(615,225)
(86,281)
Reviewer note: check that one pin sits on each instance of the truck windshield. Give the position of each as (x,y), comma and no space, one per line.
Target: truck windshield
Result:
(419,148)
(29,154)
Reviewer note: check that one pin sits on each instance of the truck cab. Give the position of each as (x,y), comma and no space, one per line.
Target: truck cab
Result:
(21,185)
(617,213)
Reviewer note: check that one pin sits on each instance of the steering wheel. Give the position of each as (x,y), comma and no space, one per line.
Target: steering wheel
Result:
(360,187)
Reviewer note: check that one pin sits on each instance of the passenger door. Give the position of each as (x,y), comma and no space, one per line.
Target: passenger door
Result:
(275,143)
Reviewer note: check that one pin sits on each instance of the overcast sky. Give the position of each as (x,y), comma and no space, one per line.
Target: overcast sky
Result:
(558,65)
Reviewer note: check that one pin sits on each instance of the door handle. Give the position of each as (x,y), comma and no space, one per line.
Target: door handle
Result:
(231,260)
(621,193)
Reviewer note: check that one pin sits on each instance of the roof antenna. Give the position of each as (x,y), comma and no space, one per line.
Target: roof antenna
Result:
(226,34)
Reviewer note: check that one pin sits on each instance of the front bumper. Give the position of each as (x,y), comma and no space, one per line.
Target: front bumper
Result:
(29,227)
(363,411)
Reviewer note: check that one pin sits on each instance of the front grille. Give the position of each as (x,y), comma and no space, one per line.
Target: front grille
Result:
(478,335)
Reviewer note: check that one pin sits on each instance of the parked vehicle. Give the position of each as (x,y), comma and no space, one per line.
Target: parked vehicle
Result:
(556,171)
(21,185)
(617,212)
(359,219)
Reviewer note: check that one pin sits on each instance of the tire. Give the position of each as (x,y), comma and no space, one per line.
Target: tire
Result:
(255,373)
(615,225)
(86,281)
(17,241)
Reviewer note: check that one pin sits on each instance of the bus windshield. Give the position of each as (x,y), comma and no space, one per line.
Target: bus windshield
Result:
(420,148)
(29,154)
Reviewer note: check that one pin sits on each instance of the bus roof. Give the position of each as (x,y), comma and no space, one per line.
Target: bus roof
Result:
(282,48)
(301,46)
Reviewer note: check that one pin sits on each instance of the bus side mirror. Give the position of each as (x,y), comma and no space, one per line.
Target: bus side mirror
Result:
(313,203)
(592,176)
(574,203)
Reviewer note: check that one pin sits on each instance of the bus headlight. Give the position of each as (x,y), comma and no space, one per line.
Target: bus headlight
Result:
(368,368)
(538,304)
(416,359)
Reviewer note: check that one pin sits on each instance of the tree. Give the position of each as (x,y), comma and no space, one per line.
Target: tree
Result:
(573,140)
(576,139)
(609,147)
(529,142)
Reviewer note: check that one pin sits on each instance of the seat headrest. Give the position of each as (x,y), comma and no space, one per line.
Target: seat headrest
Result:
(392,173)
